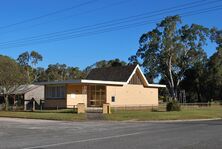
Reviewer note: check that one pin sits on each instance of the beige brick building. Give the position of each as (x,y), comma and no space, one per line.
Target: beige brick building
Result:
(124,86)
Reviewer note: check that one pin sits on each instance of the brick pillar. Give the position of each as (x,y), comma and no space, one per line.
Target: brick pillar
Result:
(81,108)
(106,108)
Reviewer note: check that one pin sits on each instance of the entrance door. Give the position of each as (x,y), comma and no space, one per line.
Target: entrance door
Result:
(96,95)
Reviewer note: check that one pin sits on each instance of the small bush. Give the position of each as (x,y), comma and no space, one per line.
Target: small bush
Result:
(173,106)
(2,107)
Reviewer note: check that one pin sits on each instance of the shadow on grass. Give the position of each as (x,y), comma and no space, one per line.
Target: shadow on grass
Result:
(55,111)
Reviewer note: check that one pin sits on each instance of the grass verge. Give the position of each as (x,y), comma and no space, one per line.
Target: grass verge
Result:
(120,115)
(63,115)
(185,114)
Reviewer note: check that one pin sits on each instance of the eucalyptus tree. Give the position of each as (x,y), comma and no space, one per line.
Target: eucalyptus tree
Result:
(170,49)
(28,60)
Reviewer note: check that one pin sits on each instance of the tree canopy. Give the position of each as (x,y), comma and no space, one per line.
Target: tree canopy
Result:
(170,49)
(28,60)
(11,76)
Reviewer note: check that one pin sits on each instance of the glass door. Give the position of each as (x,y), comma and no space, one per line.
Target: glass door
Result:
(96,95)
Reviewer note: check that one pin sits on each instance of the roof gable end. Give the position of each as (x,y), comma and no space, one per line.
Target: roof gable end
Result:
(140,74)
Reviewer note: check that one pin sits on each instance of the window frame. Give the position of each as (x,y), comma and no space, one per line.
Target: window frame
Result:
(55,92)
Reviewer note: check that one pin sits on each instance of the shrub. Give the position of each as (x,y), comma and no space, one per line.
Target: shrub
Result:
(173,106)
(2,107)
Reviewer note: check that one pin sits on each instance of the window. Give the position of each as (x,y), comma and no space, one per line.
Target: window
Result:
(113,98)
(55,91)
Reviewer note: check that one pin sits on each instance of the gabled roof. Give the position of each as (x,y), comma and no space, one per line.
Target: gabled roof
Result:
(119,73)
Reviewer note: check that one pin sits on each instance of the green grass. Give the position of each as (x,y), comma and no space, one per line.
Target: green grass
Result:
(64,115)
(120,115)
(142,115)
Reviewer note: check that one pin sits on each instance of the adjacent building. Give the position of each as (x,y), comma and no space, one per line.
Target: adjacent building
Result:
(23,94)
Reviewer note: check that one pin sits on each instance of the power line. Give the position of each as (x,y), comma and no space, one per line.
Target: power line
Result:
(86,33)
(200,1)
(111,28)
(117,21)
(96,26)
(70,16)
(48,14)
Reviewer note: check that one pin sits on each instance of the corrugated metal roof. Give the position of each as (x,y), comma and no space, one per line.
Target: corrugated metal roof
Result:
(22,89)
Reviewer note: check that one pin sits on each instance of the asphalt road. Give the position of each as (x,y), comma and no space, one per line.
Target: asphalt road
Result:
(39,134)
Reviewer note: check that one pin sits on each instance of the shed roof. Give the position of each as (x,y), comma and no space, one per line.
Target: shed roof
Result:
(22,89)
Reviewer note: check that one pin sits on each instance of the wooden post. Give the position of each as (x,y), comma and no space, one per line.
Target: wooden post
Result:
(25,105)
(33,105)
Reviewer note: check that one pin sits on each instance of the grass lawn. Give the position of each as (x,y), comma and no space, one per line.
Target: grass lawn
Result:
(65,115)
(120,115)
(194,113)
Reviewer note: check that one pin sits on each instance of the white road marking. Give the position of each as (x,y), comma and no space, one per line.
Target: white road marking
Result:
(86,140)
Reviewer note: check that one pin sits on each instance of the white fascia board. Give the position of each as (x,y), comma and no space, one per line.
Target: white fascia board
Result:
(143,75)
(147,83)
(82,81)
(134,71)
(157,85)
(103,82)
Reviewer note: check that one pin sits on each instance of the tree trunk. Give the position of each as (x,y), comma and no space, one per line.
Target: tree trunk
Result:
(6,102)
(173,89)
(198,94)
(28,75)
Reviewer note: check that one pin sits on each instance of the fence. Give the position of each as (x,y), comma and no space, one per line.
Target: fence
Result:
(162,107)
(11,108)
(199,105)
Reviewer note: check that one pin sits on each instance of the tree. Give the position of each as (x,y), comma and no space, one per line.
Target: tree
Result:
(62,72)
(35,58)
(28,61)
(10,77)
(41,73)
(214,67)
(103,64)
(170,49)
(215,75)
(55,72)
(195,83)
(115,63)
(74,73)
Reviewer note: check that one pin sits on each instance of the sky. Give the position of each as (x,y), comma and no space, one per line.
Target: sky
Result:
(23,19)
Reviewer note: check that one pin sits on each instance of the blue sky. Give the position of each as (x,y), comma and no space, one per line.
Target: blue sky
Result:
(85,51)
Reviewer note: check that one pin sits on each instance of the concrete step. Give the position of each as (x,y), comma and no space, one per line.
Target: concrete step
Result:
(94,110)
(95,116)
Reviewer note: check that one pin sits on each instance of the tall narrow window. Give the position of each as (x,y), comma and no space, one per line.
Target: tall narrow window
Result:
(113,98)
